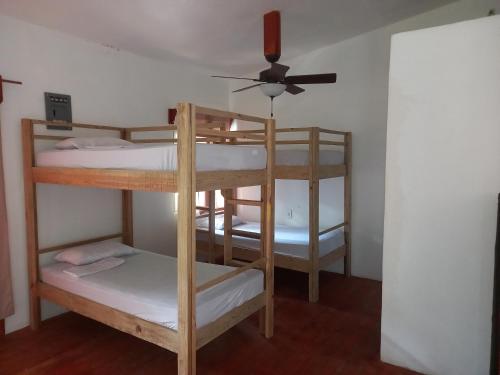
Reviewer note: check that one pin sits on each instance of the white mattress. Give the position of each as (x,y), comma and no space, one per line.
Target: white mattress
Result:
(301,157)
(146,286)
(158,157)
(290,241)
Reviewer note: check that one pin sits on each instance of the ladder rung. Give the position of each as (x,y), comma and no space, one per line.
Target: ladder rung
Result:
(244,202)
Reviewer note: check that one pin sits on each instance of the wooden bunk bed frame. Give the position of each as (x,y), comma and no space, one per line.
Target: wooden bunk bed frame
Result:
(313,173)
(186,181)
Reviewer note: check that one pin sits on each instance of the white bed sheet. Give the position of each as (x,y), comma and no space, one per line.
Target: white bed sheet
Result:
(290,241)
(301,157)
(160,157)
(146,286)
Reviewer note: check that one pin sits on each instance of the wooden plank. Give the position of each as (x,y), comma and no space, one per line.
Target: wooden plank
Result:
(292,172)
(228,115)
(50,137)
(268,238)
(154,128)
(79,243)
(148,331)
(259,263)
(245,234)
(212,330)
(327,230)
(218,211)
(323,130)
(211,226)
(122,179)
(127,207)
(331,171)
(75,125)
(228,225)
(314,215)
(229,134)
(332,143)
(215,180)
(186,240)
(332,256)
(128,179)
(30,208)
(246,202)
(289,172)
(347,202)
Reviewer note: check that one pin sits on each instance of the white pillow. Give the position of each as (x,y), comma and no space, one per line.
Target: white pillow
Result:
(90,142)
(219,222)
(93,252)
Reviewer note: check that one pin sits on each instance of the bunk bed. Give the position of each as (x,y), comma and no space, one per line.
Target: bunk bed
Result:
(195,318)
(324,154)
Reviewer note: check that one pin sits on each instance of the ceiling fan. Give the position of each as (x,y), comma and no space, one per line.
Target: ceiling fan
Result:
(274,81)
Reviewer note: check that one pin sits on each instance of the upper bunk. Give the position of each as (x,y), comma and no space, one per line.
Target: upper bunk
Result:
(200,141)
(309,153)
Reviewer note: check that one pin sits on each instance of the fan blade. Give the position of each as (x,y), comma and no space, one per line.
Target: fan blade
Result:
(312,78)
(294,90)
(272,36)
(248,87)
(276,73)
(246,79)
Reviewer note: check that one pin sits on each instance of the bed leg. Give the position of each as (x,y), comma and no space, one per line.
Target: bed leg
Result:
(35,314)
(347,203)
(314,286)
(186,361)
(262,321)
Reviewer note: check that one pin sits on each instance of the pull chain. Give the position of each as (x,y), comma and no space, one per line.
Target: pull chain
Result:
(272,101)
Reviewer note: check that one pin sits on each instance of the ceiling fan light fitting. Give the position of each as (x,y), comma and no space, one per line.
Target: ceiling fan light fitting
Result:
(272,89)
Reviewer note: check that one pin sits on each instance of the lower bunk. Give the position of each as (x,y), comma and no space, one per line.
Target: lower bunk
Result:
(291,247)
(139,296)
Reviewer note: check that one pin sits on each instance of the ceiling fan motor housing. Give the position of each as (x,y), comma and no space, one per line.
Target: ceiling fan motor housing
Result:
(272,36)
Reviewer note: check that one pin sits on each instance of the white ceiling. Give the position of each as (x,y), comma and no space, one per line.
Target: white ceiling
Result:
(223,35)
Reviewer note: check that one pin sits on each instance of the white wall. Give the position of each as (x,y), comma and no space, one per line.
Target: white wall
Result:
(357,102)
(442,181)
(107,86)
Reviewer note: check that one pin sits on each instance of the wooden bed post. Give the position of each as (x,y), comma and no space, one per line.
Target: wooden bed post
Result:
(228,225)
(268,206)
(210,197)
(127,206)
(186,239)
(347,202)
(313,215)
(31,221)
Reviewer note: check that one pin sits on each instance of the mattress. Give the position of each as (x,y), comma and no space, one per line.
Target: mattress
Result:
(158,157)
(301,157)
(146,286)
(289,241)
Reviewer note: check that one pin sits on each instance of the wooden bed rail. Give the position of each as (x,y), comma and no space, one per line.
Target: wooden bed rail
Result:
(213,132)
(70,125)
(259,263)
(79,243)
(306,141)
